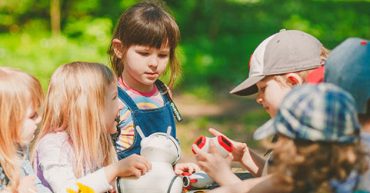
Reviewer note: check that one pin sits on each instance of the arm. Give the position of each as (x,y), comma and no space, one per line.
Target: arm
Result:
(252,162)
(247,157)
(55,157)
(216,166)
(56,160)
(266,184)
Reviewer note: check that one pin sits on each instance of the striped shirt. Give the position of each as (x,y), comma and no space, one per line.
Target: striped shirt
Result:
(150,100)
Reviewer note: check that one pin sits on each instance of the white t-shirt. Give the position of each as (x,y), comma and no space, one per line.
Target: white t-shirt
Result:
(55,157)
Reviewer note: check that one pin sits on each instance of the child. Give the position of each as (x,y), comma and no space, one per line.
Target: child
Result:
(20,98)
(280,62)
(74,145)
(143,45)
(348,67)
(319,147)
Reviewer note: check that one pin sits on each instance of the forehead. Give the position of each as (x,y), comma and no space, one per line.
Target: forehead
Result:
(265,80)
(164,47)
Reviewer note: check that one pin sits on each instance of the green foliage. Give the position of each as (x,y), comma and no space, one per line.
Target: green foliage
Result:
(40,56)
(218,38)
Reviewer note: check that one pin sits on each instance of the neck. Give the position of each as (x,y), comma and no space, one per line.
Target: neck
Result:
(365,122)
(366,127)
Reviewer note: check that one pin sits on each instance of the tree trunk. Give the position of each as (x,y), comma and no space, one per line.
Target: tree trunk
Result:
(55,17)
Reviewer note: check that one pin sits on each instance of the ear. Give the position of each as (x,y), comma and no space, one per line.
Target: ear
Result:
(117,47)
(294,79)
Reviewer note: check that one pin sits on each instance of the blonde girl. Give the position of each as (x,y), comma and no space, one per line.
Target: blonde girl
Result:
(20,98)
(74,144)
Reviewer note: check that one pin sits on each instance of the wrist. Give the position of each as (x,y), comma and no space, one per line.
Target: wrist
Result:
(110,172)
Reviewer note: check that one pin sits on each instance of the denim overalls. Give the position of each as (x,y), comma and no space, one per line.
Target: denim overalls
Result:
(149,120)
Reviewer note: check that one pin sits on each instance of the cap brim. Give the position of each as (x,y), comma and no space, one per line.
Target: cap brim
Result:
(265,130)
(247,87)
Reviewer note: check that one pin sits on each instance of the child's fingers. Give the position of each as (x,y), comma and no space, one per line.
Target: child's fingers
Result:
(230,157)
(193,168)
(141,167)
(137,173)
(215,132)
(147,164)
(199,154)
(196,149)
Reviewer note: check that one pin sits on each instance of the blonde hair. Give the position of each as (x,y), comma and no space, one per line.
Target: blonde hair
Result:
(148,24)
(282,78)
(309,166)
(75,104)
(18,90)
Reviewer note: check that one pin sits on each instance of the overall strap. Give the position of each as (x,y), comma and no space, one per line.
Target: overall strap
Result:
(127,99)
(163,90)
(166,97)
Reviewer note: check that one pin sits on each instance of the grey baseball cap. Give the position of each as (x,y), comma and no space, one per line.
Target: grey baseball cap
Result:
(348,66)
(284,52)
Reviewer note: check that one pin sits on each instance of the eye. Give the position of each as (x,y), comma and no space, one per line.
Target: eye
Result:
(163,55)
(143,53)
(262,88)
(34,116)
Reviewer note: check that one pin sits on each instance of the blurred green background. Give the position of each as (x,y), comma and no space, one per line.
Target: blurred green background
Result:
(218,37)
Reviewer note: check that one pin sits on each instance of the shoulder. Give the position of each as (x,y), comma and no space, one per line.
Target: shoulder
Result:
(57,138)
(54,145)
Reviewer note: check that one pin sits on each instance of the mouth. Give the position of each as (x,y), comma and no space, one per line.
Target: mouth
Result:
(151,75)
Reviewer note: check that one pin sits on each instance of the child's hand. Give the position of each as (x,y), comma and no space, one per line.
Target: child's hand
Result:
(238,147)
(134,165)
(186,167)
(27,185)
(215,165)
(241,153)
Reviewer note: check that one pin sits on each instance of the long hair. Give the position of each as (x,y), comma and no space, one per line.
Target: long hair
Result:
(75,104)
(147,24)
(309,166)
(18,90)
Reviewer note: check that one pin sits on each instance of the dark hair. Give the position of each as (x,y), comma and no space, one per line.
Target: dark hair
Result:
(146,23)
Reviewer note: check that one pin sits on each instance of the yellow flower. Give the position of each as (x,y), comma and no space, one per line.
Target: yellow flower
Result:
(81,189)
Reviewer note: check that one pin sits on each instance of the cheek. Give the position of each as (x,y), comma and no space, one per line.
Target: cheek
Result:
(29,127)
(163,65)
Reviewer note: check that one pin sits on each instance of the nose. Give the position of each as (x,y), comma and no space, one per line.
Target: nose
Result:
(119,105)
(153,61)
(259,99)
(38,120)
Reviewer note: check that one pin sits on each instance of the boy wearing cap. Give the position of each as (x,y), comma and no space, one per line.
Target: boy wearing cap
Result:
(348,66)
(281,61)
(319,147)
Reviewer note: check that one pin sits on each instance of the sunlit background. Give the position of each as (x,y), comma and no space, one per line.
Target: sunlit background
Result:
(218,37)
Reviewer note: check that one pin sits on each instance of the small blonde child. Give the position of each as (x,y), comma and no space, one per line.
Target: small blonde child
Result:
(142,50)
(20,98)
(74,146)
(280,62)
